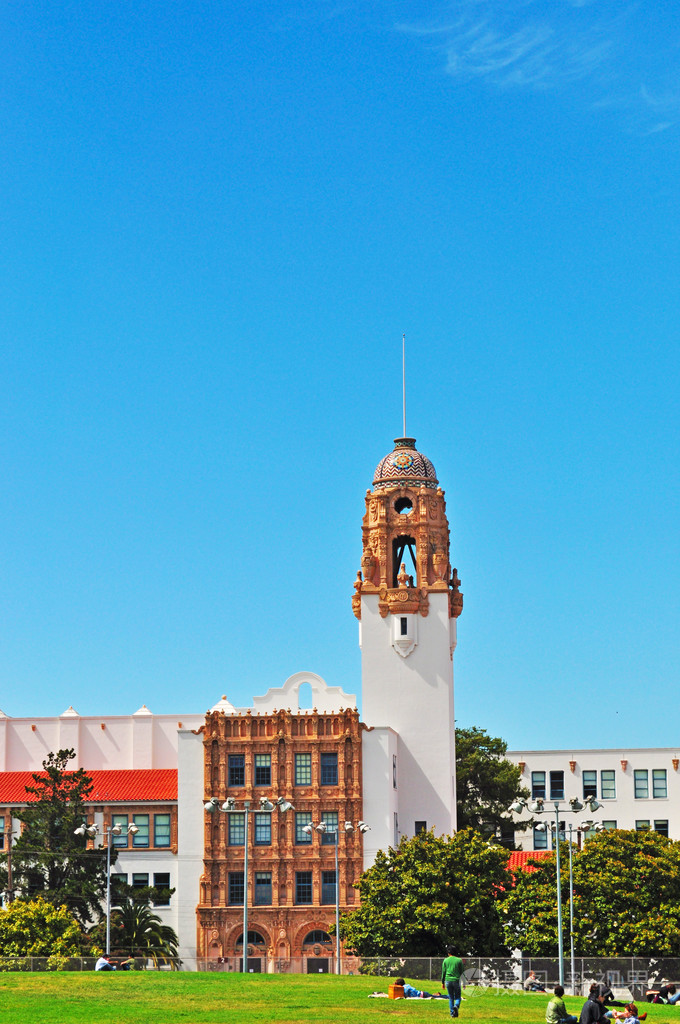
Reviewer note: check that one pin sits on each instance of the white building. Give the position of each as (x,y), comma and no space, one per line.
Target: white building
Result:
(636,788)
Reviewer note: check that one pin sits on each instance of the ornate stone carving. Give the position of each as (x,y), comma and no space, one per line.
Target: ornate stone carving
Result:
(406,503)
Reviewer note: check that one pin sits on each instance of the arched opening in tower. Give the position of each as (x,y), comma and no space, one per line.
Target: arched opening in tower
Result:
(404,550)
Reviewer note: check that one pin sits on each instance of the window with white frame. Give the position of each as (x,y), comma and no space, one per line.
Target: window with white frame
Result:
(608,784)
(661,827)
(557,785)
(659,784)
(538,785)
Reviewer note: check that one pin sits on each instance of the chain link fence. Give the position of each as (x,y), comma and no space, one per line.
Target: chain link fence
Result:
(629,977)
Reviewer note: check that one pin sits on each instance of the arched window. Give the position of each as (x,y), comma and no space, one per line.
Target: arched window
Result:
(254,939)
(312,938)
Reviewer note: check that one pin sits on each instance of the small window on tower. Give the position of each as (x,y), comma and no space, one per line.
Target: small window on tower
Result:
(404,626)
(403,506)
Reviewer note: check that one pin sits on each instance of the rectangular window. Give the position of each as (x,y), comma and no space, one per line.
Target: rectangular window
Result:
(403,625)
(118,887)
(2,833)
(396,830)
(141,838)
(328,886)
(303,769)
(263,889)
(237,770)
(557,785)
(642,826)
(161,830)
(140,880)
(236,888)
(394,771)
(302,818)
(610,825)
(237,828)
(538,785)
(589,784)
(263,829)
(540,839)
(161,881)
(661,827)
(659,786)
(121,841)
(303,886)
(641,776)
(263,769)
(329,769)
(420,826)
(608,784)
(330,820)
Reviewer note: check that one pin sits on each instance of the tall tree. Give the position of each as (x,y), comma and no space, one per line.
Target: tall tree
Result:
(626,899)
(48,859)
(430,891)
(486,785)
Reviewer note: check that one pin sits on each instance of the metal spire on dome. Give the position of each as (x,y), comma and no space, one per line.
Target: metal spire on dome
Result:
(403,380)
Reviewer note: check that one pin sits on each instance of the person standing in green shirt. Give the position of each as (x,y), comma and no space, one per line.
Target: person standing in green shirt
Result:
(452,970)
(556,1011)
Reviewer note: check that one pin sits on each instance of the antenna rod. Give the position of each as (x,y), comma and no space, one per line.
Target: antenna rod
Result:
(403,378)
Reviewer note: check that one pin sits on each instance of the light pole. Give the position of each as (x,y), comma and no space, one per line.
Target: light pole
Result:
(585,826)
(115,830)
(229,807)
(349,827)
(537,806)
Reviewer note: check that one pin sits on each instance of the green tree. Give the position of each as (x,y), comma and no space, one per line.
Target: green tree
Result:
(137,931)
(37,928)
(48,860)
(626,899)
(486,785)
(430,891)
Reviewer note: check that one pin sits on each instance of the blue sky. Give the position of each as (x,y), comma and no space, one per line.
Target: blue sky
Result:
(217,221)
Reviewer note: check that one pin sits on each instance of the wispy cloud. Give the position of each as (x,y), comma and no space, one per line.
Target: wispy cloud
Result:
(532,44)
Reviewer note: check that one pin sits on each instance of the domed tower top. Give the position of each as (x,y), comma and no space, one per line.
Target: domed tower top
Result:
(404,467)
(405,555)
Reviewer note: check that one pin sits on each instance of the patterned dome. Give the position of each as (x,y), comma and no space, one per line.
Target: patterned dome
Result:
(405,466)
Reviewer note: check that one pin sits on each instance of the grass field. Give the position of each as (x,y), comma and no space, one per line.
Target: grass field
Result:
(159,998)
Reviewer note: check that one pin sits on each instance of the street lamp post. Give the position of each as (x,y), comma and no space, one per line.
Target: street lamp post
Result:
(585,826)
(537,806)
(115,830)
(349,827)
(229,807)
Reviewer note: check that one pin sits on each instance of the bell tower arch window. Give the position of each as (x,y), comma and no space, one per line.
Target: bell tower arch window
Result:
(404,551)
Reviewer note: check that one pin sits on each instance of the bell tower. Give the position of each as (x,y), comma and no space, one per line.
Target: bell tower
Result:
(407,600)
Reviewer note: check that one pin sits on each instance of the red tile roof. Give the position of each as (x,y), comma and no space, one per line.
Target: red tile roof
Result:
(519,859)
(110,786)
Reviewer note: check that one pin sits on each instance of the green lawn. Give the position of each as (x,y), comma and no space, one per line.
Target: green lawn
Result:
(160,998)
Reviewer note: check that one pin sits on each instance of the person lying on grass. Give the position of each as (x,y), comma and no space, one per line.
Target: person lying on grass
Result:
(414,993)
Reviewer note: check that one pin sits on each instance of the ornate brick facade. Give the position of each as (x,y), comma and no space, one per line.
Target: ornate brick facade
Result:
(285,923)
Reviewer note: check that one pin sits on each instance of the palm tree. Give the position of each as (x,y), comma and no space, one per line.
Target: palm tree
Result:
(137,931)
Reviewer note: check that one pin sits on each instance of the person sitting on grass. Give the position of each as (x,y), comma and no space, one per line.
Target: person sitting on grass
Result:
(629,1013)
(532,984)
(104,963)
(556,1011)
(593,1008)
(414,993)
